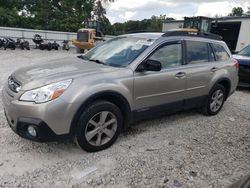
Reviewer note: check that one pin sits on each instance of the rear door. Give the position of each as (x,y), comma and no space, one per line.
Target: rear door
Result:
(200,67)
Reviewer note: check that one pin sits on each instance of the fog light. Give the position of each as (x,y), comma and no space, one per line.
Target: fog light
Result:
(32,131)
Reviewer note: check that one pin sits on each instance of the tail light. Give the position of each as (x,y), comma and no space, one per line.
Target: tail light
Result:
(236,64)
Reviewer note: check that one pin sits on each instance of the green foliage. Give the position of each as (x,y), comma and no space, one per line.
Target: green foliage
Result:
(61,15)
(154,24)
(248,12)
(237,11)
(68,15)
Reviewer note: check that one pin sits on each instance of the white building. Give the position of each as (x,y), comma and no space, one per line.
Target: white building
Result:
(234,30)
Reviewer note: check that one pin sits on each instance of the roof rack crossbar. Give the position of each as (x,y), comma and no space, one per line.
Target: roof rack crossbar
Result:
(192,34)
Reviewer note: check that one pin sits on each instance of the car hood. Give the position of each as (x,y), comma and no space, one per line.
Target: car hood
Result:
(57,70)
(243,60)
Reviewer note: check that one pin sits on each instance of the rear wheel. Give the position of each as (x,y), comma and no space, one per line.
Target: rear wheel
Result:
(215,100)
(99,126)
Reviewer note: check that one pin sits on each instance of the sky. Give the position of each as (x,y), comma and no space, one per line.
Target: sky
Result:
(124,10)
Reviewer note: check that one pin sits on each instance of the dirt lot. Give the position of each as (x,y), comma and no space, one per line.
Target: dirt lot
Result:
(182,150)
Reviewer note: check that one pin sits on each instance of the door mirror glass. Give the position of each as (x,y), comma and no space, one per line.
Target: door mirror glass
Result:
(149,65)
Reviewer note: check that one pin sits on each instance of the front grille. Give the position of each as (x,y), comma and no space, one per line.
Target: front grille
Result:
(13,84)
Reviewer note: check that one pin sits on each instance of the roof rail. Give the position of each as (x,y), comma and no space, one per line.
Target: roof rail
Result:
(191,33)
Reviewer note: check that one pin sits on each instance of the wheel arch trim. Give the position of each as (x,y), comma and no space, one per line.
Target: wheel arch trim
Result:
(109,96)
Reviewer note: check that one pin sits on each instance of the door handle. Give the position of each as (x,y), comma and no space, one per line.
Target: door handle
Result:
(180,75)
(214,69)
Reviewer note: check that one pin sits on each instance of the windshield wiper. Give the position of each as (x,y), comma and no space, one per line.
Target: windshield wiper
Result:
(97,61)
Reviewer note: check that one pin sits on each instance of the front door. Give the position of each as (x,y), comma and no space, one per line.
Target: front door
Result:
(164,87)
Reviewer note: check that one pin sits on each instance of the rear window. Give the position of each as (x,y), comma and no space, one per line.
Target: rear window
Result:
(220,52)
(197,52)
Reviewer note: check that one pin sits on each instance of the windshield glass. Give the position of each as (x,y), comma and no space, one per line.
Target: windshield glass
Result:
(119,52)
(245,51)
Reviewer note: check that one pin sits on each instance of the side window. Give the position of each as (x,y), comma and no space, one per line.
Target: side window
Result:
(211,53)
(197,52)
(220,53)
(169,55)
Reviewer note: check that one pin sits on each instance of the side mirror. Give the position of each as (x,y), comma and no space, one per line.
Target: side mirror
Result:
(149,65)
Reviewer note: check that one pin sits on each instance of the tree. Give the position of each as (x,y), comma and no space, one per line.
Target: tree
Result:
(61,15)
(248,12)
(9,12)
(237,11)
(99,14)
(154,24)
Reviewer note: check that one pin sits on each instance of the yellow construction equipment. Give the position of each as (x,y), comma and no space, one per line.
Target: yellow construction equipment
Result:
(85,39)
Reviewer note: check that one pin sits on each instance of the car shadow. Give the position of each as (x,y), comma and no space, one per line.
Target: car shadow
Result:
(141,125)
(138,127)
(245,89)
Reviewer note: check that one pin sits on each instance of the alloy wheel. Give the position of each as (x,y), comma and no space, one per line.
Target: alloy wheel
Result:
(216,100)
(101,128)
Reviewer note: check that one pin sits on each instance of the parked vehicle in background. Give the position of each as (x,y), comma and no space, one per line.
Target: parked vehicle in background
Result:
(1,42)
(55,45)
(37,40)
(85,40)
(8,43)
(243,57)
(23,44)
(65,44)
(94,97)
(49,46)
(88,36)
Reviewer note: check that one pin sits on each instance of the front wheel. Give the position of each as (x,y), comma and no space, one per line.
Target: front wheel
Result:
(99,126)
(215,100)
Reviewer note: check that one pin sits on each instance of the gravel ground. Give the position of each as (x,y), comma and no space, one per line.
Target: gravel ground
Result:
(181,150)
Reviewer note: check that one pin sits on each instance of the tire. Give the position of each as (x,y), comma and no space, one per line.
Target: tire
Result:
(210,109)
(79,50)
(90,121)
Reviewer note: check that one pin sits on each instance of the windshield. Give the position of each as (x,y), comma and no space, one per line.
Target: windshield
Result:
(245,51)
(119,52)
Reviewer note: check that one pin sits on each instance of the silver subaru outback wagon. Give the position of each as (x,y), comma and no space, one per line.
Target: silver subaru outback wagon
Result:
(93,97)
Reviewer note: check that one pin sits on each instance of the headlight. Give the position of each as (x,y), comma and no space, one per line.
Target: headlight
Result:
(46,93)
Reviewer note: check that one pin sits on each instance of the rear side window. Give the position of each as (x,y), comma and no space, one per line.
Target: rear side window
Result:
(220,52)
(197,52)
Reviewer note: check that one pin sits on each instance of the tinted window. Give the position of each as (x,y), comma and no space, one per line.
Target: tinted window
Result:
(197,52)
(220,53)
(169,55)
(211,54)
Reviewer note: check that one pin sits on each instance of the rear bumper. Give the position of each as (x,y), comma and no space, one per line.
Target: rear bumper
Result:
(244,74)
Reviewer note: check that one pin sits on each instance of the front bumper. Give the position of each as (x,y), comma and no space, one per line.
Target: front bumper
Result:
(44,133)
(52,120)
